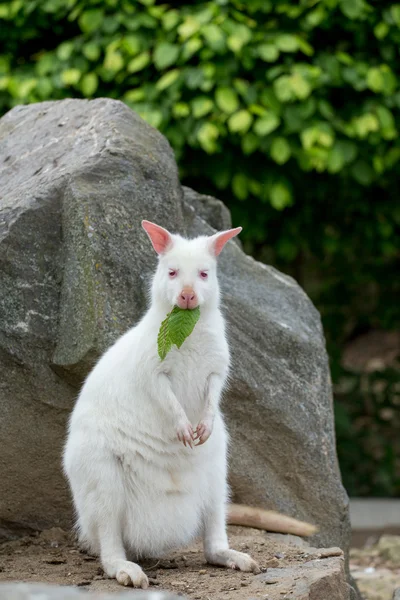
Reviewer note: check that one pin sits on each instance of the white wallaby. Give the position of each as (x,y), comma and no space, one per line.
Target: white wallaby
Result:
(143,479)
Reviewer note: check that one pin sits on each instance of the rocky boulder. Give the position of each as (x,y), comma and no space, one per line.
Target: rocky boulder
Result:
(77,179)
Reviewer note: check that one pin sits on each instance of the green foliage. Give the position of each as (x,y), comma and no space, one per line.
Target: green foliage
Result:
(288,110)
(367,425)
(175,328)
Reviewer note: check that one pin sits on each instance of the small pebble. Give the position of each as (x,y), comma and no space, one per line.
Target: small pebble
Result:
(153,581)
(202,572)
(271,580)
(272,563)
(279,555)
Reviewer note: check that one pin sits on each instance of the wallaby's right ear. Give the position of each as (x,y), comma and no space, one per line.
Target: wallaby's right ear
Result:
(159,237)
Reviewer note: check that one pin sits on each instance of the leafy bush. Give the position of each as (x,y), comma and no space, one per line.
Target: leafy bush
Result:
(367,425)
(286,109)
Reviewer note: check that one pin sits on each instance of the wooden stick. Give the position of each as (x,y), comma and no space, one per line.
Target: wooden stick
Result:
(269,520)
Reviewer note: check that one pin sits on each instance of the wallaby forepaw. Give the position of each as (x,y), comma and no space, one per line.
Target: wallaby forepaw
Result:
(185,433)
(234,560)
(132,575)
(203,431)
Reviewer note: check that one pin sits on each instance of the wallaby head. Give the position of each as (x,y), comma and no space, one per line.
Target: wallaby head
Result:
(186,274)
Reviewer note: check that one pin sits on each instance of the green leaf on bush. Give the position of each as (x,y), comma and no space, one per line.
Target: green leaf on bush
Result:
(175,328)
(266,124)
(240,121)
(165,55)
(201,106)
(139,62)
(362,172)
(239,186)
(375,79)
(227,100)
(213,36)
(92,51)
(280,150)
(207,135)
(168,79)
(113,61)
(287,43)
(71,76)
(239,38)
(280,196)
(91,20)
(268,52)
(89,84)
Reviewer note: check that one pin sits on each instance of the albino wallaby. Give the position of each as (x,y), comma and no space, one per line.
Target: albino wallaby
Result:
(143,479)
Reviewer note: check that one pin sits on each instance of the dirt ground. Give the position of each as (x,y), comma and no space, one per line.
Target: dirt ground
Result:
(53,557)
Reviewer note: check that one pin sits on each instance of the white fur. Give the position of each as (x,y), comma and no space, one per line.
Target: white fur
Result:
(137,489)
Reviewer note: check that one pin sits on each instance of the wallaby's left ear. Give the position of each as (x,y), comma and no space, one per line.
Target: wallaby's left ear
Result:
(218,240)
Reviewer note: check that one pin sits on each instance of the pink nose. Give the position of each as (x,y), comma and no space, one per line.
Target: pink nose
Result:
(187,298)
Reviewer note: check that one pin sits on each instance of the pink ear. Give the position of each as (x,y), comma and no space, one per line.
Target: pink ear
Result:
(160,237)
(219,240)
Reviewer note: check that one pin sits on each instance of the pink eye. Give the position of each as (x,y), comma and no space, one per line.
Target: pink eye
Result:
(172,273)
(203,274)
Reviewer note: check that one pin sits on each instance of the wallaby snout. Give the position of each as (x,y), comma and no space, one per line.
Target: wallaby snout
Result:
(187,298)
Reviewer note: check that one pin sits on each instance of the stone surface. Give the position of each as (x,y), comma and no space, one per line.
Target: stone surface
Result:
(313,580)
(32,591)
(77,179)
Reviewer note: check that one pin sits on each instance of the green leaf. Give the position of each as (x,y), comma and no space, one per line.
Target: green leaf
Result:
(181,110)
(170,19)
(280,150)
(375,80)
(201,106)
(283,88)
(65,50)
(89,84)
(168,79)
(190,48)
(240,121)
(113,61)
(336,159)
(268,52)
(131,44)
(164,342)
(91,20)
(250,143)
(287,43)
(188,28)
(70,76)
(92,51)
(213,36)
(280,196)
(181,323)
(239,38)
(165,55)
(239,186)
(381,30)
(139,62)
(227,100)
(266,124)
(207,135)
(362,172)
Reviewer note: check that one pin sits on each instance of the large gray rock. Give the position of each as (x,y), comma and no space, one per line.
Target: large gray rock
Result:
(77,179)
